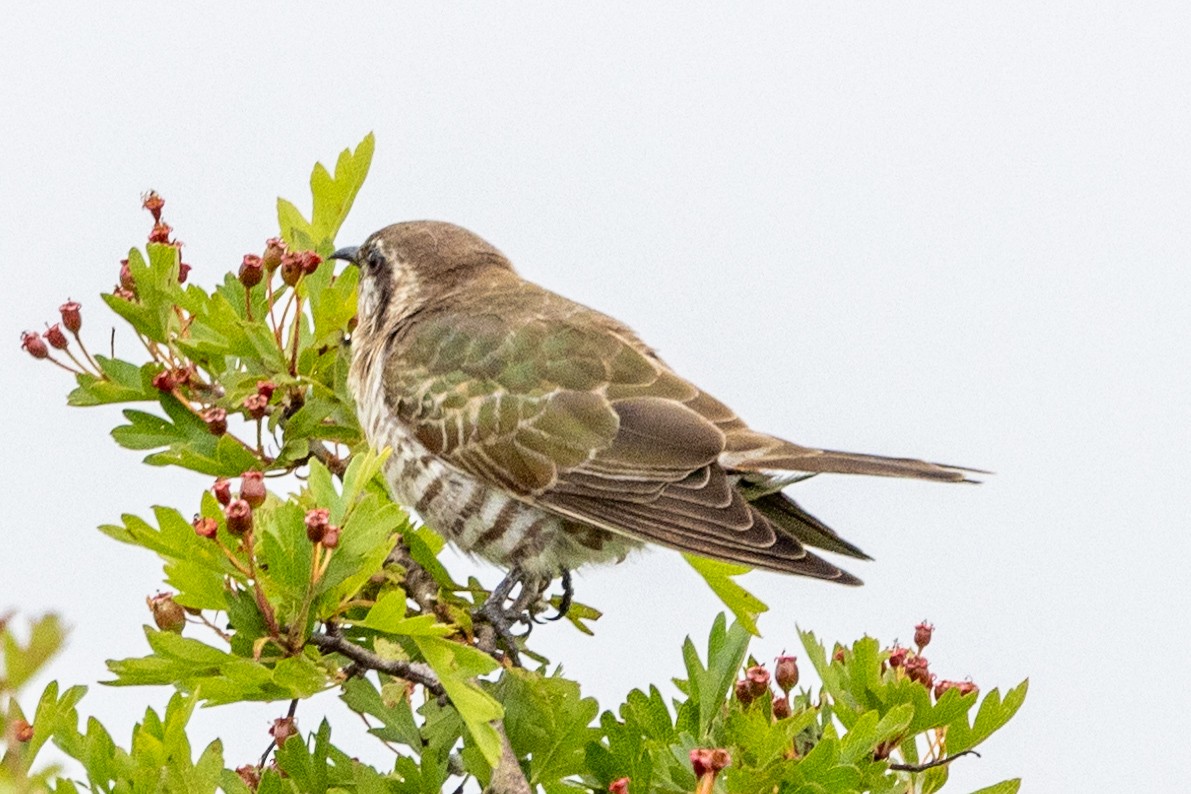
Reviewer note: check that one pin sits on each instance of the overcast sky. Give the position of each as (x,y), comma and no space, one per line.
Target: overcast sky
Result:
(950,230)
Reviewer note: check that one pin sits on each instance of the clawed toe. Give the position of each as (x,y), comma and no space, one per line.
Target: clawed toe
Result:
(523,609)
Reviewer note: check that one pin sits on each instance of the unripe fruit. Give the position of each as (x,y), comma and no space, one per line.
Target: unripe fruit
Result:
(216,419)
(239,517)
(331,538)
(72,316)
(206,527)
(252,488)
(785,672)
(34,345)
(252,272)
(22,731)
(167,613)
(318,521)
(274,250)
(758,680)
(56,337)
(922,634)
(283,728)
(223,491)
(256,405)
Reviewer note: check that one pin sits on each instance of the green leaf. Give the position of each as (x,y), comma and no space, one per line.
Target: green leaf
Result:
(1004,787)
(708,687)
(217,676)
(388,615)
(548,720)
(395,714)
(455,665)
(333,197)
(22,662)
(745,606)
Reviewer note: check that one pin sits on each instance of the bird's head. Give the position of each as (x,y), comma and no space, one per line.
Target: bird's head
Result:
(409,266)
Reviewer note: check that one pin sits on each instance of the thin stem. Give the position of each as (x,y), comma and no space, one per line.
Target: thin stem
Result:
(58,363)
(223,635)
(297,334)
(272,316)
(98,373)
(86,354)
(932,764)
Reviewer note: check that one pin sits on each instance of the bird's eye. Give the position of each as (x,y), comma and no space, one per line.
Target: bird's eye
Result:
(373,260)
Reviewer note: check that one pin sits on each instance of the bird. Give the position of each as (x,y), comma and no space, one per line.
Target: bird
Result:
(543,435)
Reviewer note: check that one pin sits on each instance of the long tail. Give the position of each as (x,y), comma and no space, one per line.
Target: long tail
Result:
(774,454)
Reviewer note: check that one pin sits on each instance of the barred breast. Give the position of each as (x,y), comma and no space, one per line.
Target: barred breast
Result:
(476,517)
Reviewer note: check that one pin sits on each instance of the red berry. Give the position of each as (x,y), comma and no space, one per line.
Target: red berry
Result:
(744,693)
(897,656)
(785,672)
(331,538)
(318,521)
(160,233)
(283,728)
(164,381)
(256,404)
(291,267)
(922,633)
(619,786)
(252,488)
(56,337)
(701,761)
(223,491)
(72,317)
(34,345)
(239,517)
(781,708)
(183,272)
(758,680)
(252,272)
(216,419)
(23,731)
(205,527)
(274,250)
(126,280)
(705,760)
(265,388)
(918,669)
(310,262)
(153,202)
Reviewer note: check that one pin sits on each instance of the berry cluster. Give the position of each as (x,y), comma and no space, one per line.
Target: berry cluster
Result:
(914,666)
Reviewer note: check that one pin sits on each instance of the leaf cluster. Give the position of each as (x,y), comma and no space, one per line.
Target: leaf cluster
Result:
(277,596)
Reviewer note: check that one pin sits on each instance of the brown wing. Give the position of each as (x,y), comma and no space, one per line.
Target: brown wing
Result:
(660,480)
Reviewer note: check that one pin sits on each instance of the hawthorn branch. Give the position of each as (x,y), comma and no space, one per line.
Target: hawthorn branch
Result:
(932,764)
(410,671)
(507,777)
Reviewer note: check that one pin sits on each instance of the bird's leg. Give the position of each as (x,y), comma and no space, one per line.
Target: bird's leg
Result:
(568,595)
(502,618)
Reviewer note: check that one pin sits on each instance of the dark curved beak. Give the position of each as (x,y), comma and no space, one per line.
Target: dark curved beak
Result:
(349,254)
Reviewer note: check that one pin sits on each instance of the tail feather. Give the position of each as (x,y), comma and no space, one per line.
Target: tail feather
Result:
(791,457)
(786,514)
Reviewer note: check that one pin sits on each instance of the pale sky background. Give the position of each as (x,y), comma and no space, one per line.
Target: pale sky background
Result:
(950,230)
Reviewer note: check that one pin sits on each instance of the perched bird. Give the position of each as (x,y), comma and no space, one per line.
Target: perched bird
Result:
(542,435)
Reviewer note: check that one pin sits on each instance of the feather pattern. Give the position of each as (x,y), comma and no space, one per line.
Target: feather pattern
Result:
(518,394)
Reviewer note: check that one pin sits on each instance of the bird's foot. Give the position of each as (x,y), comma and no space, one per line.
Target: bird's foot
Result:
(503,618)
(564,603)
